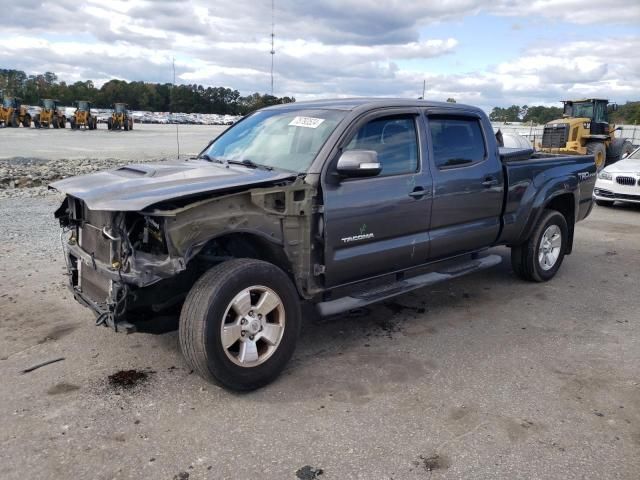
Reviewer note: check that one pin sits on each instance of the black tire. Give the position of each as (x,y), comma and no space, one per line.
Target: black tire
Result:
(202,318)
(36,121)
(61,122)
(618,148)
(26,121)
(13,121)
(109,124)
(131,124)
(55,123)
(604,203)
(598,150)
(525,258)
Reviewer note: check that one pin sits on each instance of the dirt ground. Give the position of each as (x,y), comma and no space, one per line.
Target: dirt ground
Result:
(484,377)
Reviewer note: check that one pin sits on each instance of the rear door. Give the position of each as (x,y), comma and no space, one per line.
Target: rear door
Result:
(379,224)
(468,184)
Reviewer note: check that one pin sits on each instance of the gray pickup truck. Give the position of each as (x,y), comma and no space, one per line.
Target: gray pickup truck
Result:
(338,204)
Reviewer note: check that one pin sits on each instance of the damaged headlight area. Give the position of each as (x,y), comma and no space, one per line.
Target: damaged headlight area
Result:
(112,260)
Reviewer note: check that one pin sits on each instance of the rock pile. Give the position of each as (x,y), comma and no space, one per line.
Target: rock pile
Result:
(27,177)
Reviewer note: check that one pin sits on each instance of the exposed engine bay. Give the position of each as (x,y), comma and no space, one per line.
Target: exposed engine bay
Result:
(125,265)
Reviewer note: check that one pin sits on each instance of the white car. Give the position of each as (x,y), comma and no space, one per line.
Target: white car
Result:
(619,182)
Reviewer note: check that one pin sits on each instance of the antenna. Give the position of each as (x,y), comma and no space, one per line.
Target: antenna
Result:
(173,64)
(273,34)
(424,87)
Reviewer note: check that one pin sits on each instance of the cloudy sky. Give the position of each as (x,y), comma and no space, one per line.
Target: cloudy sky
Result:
(487,53)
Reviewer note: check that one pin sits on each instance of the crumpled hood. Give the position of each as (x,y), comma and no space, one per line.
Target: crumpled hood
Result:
(626,165)
(137,186)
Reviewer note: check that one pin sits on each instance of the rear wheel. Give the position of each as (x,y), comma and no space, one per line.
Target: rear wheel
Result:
(61,122)
(73,124)
(599,153)
(540,257)
(36,121)
(55,123)
(604,203)
(14,122)
(26,121)
(239,324)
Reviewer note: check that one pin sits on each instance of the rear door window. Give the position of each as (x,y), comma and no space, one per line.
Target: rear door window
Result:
(457,141)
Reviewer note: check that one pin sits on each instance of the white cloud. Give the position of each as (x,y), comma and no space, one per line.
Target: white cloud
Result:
(324,48)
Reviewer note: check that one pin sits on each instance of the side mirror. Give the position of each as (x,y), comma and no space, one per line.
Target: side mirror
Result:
(359,163)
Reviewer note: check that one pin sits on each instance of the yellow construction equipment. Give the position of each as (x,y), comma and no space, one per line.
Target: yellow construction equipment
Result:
(50,115)
(13,113)
(585,129)
(83,117)
(120,117)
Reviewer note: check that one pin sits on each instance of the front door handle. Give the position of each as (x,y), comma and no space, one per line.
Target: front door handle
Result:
(418,192)
(490,182)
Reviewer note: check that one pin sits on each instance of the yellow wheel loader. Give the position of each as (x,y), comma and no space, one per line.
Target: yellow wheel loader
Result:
(82,117)
(120,117)
(13,113)
(585,129)
(50,115)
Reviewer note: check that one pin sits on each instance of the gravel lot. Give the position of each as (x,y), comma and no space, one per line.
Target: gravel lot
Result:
(484,377)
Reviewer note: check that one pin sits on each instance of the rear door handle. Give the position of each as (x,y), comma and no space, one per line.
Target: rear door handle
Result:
(418,192)
(490,182)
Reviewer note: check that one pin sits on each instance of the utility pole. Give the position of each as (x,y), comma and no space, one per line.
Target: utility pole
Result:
(173,87)
(273,34)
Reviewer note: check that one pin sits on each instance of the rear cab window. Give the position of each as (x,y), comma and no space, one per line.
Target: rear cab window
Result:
(457,141)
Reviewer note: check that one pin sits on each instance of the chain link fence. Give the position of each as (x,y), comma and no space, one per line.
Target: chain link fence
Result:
(534,132)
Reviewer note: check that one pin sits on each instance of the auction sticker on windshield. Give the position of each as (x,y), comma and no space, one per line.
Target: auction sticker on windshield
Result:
(307,122)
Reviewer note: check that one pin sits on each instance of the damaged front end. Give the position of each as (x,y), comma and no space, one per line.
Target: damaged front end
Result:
(128,266)
(109,255)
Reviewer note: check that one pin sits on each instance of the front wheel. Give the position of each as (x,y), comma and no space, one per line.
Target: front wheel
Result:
(540,257)
(599,153)
(239,324)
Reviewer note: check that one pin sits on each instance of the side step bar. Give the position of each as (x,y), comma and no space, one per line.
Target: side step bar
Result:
(344,304)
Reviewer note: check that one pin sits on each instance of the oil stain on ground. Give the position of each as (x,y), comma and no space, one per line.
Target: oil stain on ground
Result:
(127,379)
(432,462)
(57,332)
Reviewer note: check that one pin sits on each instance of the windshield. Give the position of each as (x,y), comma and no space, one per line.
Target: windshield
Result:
(282,139)
(580,110)
(83,106)
(49,104)
(120,108)
(7,102)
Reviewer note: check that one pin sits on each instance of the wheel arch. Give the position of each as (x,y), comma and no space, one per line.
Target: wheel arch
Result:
(562,200)
(565,203)
(246,244)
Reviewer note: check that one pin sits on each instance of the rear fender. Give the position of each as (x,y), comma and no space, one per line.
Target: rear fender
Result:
(561,194)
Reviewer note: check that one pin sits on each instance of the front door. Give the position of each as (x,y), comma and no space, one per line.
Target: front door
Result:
(379,224)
